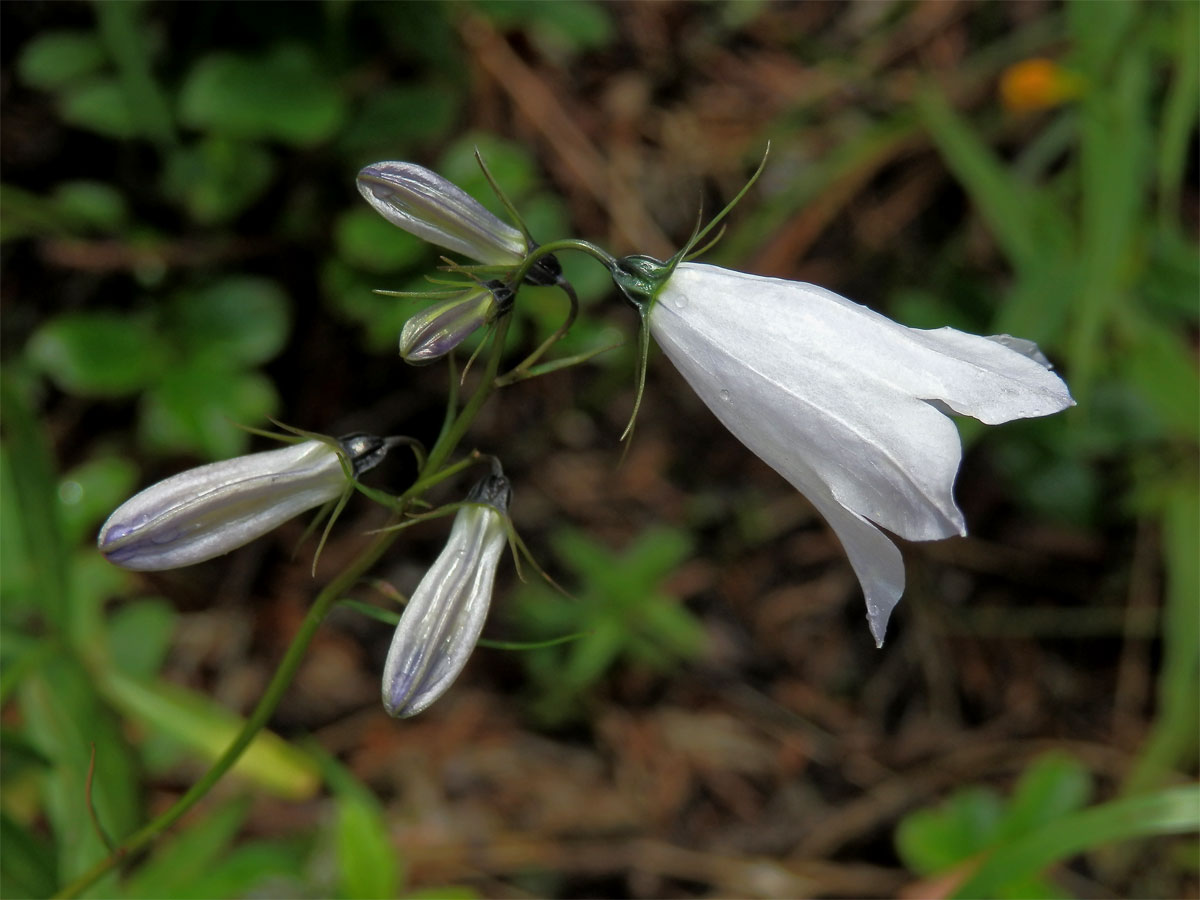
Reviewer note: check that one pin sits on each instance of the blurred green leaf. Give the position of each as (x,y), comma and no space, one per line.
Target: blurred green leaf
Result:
(396,117)
(91,491)
(1162,367)
(98,354)
(1053,786)
(1172,811)
(240,320)
(91,205)
(25,214)
(99,104)
(139,637)
(54,59)
(207,728)
(197,408)
(1173,739)
(27,865)
(562,27)
(1172,274)
(349,294)
(619,612)
(281,95)
(129,43)
(1115,156)
(934,840)
(188,854)
(369,865)
(217,178)
(369,241)
(510,164)
(36,532)
(65,719)
(1180,112)
(256,869)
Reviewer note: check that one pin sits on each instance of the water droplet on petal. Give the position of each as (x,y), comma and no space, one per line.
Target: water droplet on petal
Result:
(725,396)
(679,301)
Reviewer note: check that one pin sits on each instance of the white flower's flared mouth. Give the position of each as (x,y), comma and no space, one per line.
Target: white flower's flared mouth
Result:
(849,406)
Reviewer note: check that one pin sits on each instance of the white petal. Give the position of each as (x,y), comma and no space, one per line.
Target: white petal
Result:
(212,509)
(444,617)
(846,404)
(764,356)
(874,558)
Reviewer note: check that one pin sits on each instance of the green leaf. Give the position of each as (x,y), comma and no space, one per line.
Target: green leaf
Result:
(25,214)
(189,854)
(99,104)
(281,95)
(90,492)
(240,320)
(91,205)
(33,533)
(1173,738)
(396,117)
(97,354)
(249,870)
(1159,363)
(56,58)
(510,164)
(1172,811)
(197,408)
(207,728)
(27,864)
(369,241)
(934,840)
(139,637)
(368,863)
(1053,786)
(65,719)
(564,27)
(350,295)
(217,178)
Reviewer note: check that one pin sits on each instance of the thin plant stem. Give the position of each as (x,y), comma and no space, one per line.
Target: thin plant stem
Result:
(288,666)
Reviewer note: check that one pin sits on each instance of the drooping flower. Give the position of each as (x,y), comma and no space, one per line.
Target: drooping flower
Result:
(430,334)
(444,617)
(847,405)
(425,204)
(210,510)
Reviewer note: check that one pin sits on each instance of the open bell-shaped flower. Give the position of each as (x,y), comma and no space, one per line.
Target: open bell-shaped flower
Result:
(847,405)
(445,614)
(430,334)
(425,204)
(210,510)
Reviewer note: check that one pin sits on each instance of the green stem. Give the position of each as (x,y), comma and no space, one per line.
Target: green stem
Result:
(554,247)
(326,599)
(255,723)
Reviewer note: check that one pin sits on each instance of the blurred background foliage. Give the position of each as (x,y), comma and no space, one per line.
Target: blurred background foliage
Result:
(184,251)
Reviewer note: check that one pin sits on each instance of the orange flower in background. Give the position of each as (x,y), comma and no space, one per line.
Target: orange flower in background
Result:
(1034,84)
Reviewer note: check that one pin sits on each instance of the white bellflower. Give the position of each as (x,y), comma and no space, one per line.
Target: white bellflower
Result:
(210,510)
(847,405)
(444,617)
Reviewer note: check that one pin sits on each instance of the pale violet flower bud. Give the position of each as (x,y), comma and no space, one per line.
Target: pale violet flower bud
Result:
(436,330)
(847,405)
(212,509)
(425,204)
(444,617)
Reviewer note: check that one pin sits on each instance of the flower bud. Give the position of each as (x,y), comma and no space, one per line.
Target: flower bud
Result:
(436,210)
(212,509)
(435,331)
(444,617)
